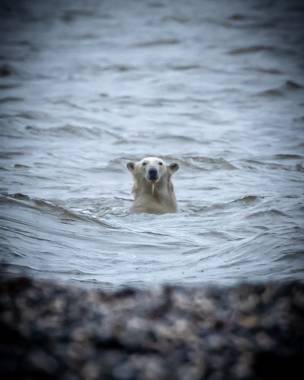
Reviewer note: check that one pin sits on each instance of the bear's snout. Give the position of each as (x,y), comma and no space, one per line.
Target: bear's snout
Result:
(152,174)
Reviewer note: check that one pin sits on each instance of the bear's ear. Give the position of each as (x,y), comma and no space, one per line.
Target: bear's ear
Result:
(131,166)
(173,167)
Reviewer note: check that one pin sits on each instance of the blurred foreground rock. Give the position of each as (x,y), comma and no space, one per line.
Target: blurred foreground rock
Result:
(52,331)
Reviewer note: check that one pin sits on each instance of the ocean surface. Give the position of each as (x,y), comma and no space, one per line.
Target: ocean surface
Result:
(217,86)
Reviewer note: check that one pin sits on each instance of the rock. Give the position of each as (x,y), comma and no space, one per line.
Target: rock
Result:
(54,331)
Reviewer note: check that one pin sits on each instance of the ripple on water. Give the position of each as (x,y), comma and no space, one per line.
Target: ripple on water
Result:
(206,163)
(289,87)
(157,43)
(49,207)
(76,131)
(272,214)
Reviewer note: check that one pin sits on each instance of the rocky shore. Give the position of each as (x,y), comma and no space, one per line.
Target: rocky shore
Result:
(52,331)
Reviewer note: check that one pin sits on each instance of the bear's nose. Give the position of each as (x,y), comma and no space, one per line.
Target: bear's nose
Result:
(152,174)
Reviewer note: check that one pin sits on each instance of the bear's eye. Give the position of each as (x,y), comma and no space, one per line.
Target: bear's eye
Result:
(144,164)
(160,163)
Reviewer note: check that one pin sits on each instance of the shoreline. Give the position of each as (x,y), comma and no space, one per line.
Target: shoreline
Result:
(56,331)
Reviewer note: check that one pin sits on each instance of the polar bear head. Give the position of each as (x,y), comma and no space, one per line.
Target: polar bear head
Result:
(151,169)
(152,188)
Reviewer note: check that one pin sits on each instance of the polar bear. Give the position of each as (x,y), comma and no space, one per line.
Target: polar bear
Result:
(153,190)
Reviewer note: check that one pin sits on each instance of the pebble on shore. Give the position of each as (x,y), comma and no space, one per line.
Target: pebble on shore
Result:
(53,331)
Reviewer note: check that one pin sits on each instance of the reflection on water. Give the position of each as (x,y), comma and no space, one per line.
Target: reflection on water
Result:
(85,87)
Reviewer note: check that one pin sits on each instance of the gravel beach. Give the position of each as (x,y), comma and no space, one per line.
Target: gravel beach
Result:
(50,330)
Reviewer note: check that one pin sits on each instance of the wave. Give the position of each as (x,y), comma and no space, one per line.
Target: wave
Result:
(264,70)
(247,200)
(23,268)
(98,69)
(206,163)
(21,166)
(178,138)
(9,86)
(288,87)
(252,49)
(292,255)
(11,154)
(65,131)
(299,168)
(119,67)
(267,213)
(158,42)
(281,161)
(31,115)
(52,208)
(70,131)
(288,157)
(179,19)
(240,17)
(184,67)
(72,15)
(11,99)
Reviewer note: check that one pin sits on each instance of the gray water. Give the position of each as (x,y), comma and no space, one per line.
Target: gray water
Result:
(216,86)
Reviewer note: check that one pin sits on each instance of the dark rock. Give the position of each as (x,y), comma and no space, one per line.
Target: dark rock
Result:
(52,331)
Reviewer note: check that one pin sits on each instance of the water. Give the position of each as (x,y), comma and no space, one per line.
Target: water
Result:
(87,86)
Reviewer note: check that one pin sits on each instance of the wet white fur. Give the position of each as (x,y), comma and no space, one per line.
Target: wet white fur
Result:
(155,197)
